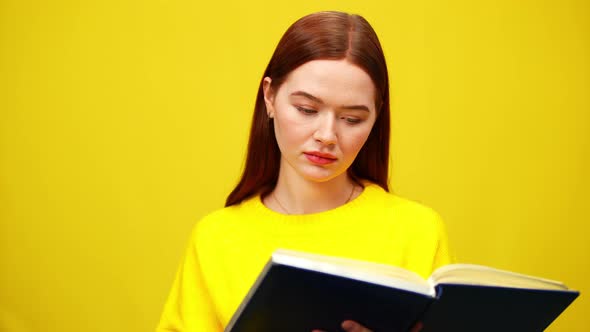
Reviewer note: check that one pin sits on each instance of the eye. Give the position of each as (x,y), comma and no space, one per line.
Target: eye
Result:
(352,121)
(306,111)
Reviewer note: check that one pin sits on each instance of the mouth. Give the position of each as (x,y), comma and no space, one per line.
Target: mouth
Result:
(320,158)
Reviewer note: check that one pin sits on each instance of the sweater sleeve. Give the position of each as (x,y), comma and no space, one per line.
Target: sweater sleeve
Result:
(442,255)
(189,307)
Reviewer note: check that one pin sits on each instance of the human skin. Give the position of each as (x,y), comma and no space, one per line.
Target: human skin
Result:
(352,326)
(323,114)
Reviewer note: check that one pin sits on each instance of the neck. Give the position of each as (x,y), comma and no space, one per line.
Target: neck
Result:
(294,194)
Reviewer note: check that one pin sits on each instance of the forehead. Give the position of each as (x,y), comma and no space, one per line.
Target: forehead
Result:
(333,81)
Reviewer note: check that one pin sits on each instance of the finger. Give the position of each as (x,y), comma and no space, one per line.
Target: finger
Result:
(417,328)
(352,326)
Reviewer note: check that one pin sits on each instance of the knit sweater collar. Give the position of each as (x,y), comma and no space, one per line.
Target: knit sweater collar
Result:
(255,204)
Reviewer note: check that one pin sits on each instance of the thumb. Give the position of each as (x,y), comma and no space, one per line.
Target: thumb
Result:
(417,328)
(352,326)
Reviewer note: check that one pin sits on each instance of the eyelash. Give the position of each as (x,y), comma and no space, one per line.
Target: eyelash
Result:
(349,120)
(352,121)
(306,111)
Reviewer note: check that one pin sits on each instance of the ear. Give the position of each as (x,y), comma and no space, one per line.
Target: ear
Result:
(269,96)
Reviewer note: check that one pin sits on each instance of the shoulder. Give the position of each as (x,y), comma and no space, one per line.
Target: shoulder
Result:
(224,221)
(378,198)
(399,210)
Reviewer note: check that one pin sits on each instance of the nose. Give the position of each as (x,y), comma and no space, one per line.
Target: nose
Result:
(325,132)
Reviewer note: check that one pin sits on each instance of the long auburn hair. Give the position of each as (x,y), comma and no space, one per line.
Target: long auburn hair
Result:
(327,36)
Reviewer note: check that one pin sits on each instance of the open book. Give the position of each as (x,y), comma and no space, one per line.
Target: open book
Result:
(300,292)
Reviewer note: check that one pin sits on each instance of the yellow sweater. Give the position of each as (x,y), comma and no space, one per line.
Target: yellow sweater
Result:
(229,247)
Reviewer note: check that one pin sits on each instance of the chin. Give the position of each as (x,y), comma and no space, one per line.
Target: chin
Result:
(322,175)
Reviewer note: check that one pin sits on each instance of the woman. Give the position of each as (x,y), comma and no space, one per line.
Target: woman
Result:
(315,178)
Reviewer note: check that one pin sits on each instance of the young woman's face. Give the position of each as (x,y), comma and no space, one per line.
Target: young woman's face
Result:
(323,114)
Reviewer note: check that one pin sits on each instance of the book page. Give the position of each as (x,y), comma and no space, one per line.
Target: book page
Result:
(376,273)
(471,274)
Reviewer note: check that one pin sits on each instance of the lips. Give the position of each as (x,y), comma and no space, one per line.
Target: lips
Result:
(320,158)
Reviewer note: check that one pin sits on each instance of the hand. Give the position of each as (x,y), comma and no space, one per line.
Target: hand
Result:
(352,326)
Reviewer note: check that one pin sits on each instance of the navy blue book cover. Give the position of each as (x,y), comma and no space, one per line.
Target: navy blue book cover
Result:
(295,300)
(461,308)
(291,299)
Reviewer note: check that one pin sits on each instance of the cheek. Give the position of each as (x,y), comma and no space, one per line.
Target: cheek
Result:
(352,143)
(289,131)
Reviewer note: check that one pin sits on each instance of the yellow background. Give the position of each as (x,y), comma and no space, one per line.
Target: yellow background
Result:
(123,122)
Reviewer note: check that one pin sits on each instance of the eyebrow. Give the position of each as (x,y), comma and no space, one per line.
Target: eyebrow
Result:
(318,100)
